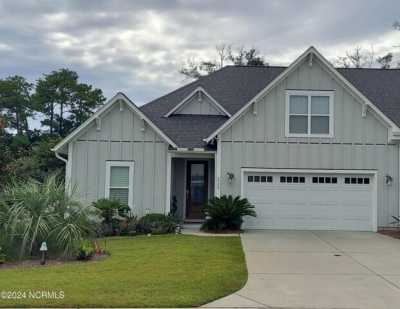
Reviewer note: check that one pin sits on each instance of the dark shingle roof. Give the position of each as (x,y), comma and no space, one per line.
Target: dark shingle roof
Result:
(234,86)
(381,87)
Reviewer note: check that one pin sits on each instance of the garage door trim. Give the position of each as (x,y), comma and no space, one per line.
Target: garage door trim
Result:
(373,173)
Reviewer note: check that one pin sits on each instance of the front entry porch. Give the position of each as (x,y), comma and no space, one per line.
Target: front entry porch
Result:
(192,185)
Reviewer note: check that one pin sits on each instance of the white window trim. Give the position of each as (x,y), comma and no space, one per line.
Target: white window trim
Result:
(131,166)
(309,94)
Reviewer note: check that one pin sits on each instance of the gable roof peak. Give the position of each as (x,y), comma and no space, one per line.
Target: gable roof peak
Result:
(193,93)
(118,97)
(299,60)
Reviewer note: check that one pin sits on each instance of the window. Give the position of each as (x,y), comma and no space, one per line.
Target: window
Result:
(327,180)
(119,181)
(358,180)
(292,179)
(309,113)
(258,178)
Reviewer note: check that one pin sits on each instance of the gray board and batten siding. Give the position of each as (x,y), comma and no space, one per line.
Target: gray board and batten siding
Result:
(258,140)
(123,137)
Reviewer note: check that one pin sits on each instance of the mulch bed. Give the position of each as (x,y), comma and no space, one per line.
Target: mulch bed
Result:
(395,232)
(36,262)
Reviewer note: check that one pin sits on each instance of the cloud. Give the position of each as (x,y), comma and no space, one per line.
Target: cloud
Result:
(138,46)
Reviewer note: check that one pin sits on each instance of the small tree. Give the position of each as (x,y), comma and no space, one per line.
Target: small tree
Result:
(32,212)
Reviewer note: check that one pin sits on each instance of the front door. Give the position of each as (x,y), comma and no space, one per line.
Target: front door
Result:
(196,189)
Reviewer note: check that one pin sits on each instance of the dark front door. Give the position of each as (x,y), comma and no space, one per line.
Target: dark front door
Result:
(196,188)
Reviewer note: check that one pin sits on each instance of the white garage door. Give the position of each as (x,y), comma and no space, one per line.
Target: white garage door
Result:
(305,201)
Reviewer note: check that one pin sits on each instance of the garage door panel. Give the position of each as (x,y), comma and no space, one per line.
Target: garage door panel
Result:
(336,202)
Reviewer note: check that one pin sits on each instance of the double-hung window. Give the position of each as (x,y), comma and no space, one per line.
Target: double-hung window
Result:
(309,113)
(119,181)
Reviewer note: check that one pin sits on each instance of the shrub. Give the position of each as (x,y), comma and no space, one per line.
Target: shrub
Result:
(33,212)
(114,213)
(111,209)
(128,225)
(86,250)
(226,213)
(156,224)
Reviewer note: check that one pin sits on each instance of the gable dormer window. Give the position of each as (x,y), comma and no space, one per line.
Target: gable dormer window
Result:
(309,113)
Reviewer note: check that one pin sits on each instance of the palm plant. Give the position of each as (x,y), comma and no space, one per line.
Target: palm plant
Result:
(34,212)
(226,213)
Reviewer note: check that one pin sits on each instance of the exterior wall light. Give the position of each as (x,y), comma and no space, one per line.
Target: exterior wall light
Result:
(230,177)
(388,180)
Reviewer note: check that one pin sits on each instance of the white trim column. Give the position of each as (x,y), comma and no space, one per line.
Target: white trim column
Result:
(168,184)
(398,180)
(218,167)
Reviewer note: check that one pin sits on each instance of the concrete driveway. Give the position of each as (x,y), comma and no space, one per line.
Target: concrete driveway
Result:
(303,269)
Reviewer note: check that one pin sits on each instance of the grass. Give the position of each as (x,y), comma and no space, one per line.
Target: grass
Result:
(156,271)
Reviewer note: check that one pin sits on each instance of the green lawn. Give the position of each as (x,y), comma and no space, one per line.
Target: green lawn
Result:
(156,271)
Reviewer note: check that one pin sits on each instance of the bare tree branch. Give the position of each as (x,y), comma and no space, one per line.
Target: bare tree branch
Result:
(225,54)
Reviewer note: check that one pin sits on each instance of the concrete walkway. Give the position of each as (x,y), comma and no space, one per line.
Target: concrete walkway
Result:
(302,269)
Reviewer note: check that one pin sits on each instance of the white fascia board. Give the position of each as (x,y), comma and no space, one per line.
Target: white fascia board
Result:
(148,121)
(258,95)
(74,133)
(311,50)
(365,100)
(186,99)
(103,109)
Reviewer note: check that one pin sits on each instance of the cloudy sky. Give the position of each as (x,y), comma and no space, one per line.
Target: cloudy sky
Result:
(138,46)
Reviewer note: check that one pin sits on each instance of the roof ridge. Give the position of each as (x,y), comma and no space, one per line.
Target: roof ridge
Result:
(376,69)
(197,115)
(198,80)
(284,67)
(254,66)
(169,93)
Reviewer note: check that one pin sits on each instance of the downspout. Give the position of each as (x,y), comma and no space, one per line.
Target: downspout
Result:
(67,169)
(60,157)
